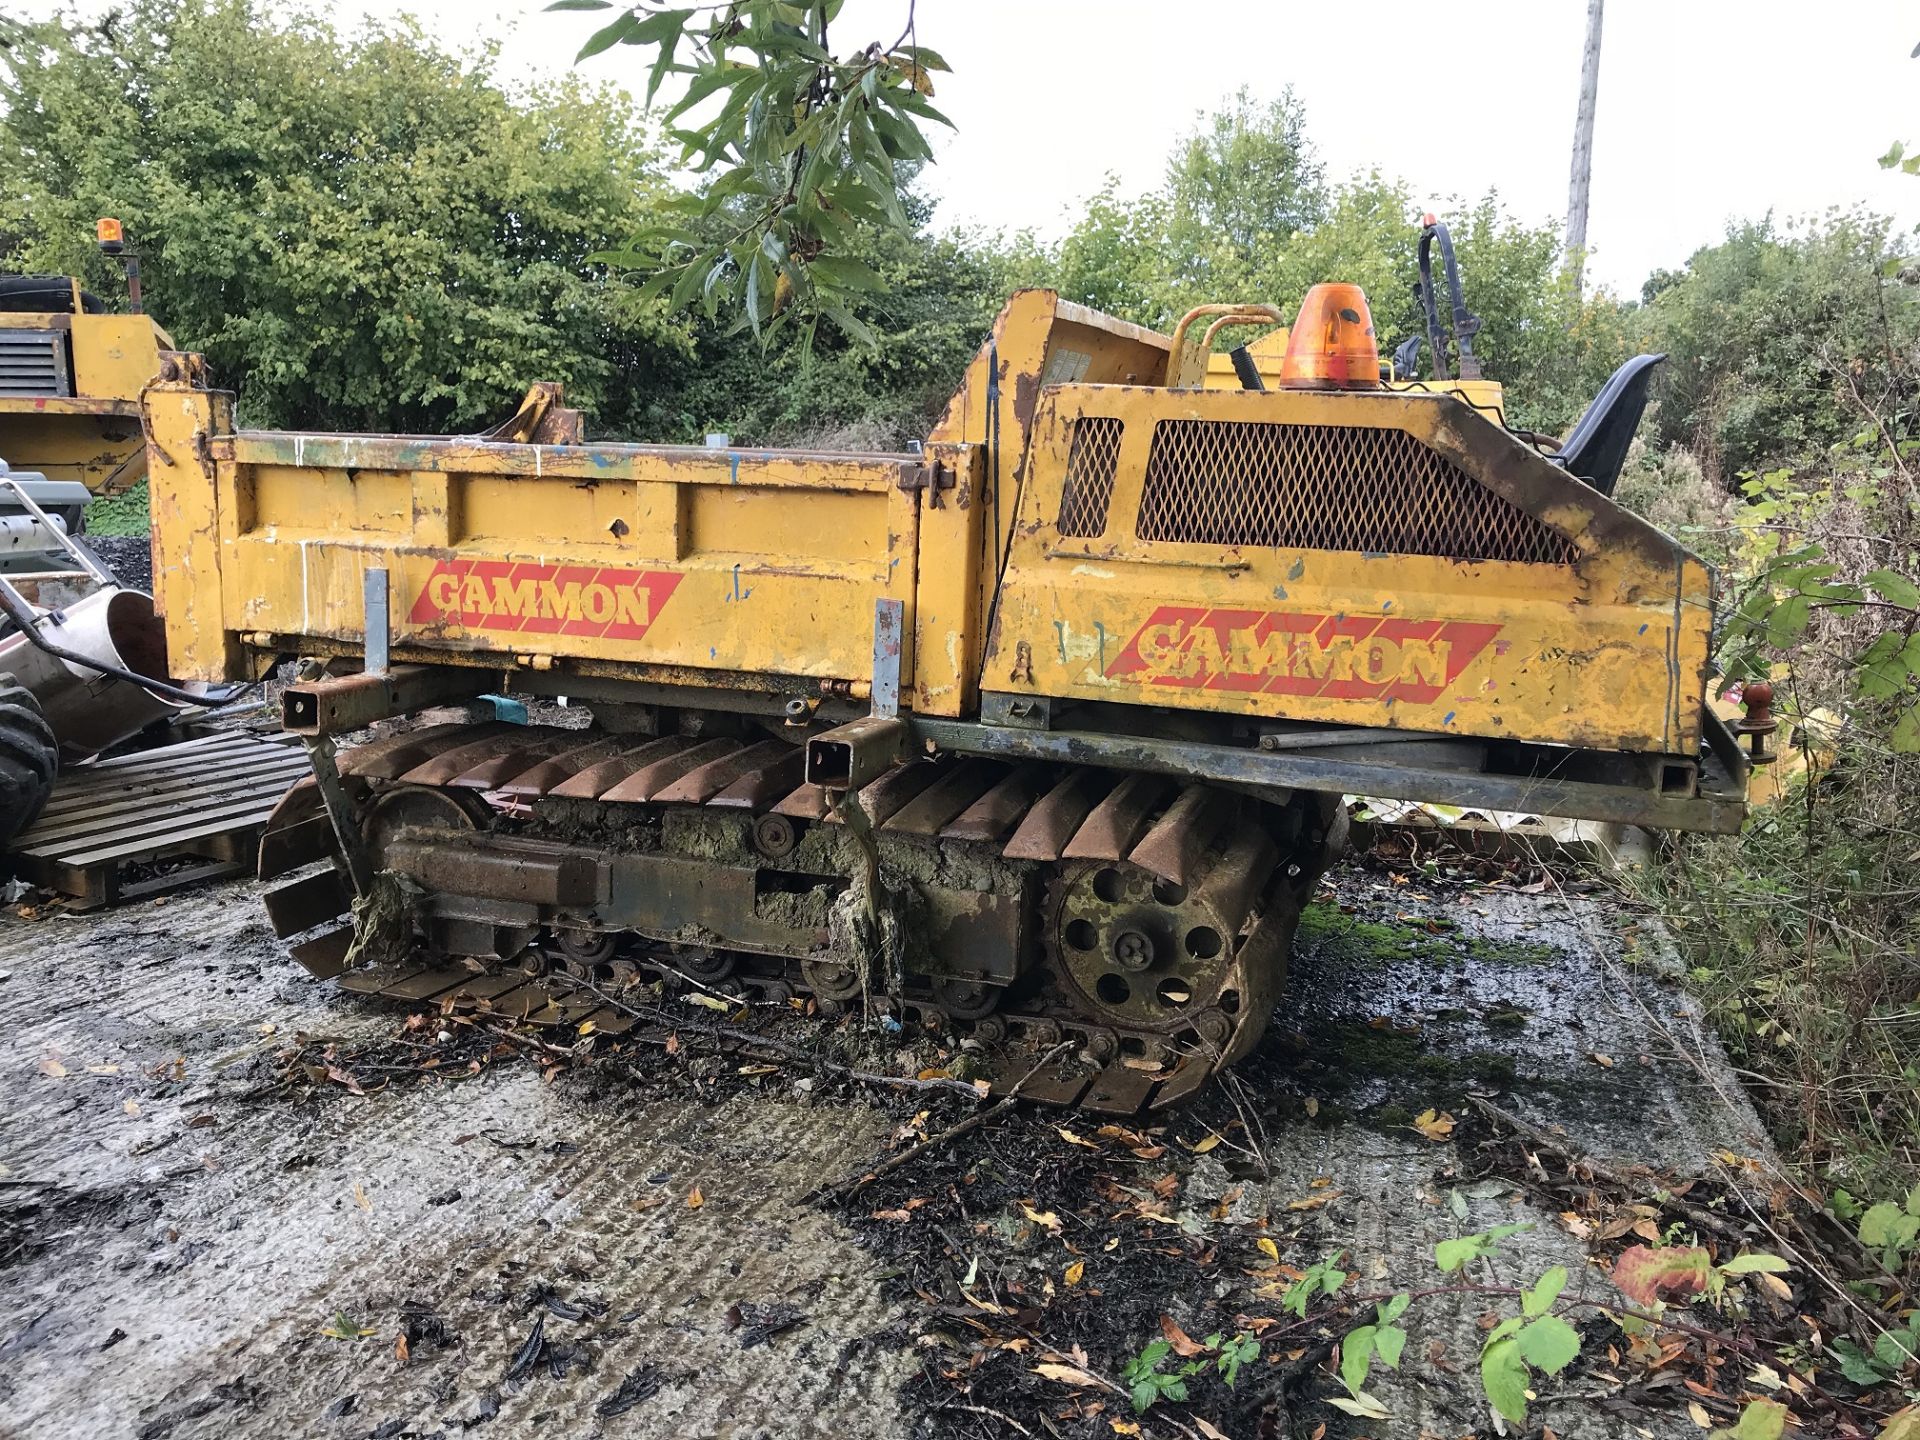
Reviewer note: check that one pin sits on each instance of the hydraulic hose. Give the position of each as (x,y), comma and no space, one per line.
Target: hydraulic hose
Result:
(22,615)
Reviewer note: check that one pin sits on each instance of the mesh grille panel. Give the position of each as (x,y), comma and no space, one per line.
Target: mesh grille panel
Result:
(1329,487)
(1091,462)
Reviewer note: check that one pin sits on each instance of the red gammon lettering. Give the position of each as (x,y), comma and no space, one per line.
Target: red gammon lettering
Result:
(1282,652)
(500,595)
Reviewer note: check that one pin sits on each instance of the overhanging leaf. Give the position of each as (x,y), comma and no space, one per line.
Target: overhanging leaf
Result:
(1503,1375)
(1548,1344)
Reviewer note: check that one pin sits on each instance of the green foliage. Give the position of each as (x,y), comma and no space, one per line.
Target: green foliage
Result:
(1147,1384)
(360,233)
(1451,1255)
(1772,334)
(1759,1420)
(1359,1346)
(1891,1354)
(1892,1229)
(1514,1349)
(122,514)
(1322,1278)
(801,147)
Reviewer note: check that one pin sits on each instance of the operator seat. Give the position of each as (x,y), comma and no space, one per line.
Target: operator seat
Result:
(1596,447)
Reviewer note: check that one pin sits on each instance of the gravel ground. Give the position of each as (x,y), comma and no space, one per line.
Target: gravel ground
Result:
(189,1248)
(130,557)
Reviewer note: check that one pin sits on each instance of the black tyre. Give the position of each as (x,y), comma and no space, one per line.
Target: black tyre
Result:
(29,756)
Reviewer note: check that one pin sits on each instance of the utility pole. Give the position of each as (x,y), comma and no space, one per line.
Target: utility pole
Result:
(1582,177)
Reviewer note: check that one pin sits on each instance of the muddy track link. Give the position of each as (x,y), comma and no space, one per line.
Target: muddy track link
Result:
(1147,922)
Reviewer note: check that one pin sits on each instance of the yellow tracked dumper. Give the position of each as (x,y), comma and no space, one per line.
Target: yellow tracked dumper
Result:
(1039,732)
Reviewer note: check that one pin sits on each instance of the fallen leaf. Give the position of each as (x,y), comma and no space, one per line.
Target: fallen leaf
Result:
(132,1107)
(893,1215)
(1121,1133)
(1149,1152)
(1436,1126)
(400,1350)
(1208,1430)
(710,1002)
(1205,1145)
(934,1072)
(587,1027)
(1697,1413)
(1312,1107)
(52,1066)
(1269,1249)
(1647,1276)
(1045,1219)
(1184,1345)
(1075,1271)
(1066,1374)
(1604,1061)
(759,1070)
(1132,1427)
(360,1197)
(673,1043)
(1073,1139)
(695,1199)
(1314,1202)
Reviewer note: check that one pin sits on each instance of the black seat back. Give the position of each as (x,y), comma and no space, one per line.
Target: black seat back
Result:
(1596,448)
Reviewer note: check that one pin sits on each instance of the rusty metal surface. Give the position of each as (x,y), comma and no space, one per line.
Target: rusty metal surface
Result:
(493,884)
(353,702)
(1116,822)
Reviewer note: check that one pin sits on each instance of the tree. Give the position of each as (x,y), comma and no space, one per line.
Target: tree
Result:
(802,148)
(1244,184)
(360,233)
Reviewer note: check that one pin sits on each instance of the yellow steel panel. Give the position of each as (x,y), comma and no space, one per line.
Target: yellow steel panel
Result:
(114,356)
(746,520)
(948,617)
(615,558)
(1607,649)
(188,551)
(316,503)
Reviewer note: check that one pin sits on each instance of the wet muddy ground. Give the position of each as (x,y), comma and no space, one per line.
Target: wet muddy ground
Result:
(234,1202)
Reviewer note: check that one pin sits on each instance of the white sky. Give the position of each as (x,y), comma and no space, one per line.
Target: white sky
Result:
(1709,110)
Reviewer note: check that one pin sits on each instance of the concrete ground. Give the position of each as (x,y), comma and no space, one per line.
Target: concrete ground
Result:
(190,1248)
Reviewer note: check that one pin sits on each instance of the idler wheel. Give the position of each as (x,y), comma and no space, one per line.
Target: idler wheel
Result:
(697,962)
(967,999)
(832,979)
(774,836)
(587,948)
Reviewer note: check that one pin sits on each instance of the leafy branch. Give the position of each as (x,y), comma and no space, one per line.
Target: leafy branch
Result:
(803,149)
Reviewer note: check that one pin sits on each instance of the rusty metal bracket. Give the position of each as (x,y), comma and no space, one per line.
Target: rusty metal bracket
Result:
(851,756)
(333,796)
(379,620)
(352,702)
(889,640)
(932,477)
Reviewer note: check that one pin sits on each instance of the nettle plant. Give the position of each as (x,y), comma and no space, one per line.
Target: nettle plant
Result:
(1538,1340)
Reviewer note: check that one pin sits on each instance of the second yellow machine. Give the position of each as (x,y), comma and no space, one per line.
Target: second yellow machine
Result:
(1040,732)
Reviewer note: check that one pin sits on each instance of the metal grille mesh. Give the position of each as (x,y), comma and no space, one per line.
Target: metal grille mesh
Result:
(1329,487)
(1091,462)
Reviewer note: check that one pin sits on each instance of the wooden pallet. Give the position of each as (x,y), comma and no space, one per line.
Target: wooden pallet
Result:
(206,799)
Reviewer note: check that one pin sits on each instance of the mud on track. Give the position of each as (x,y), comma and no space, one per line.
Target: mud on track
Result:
(177,1233)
